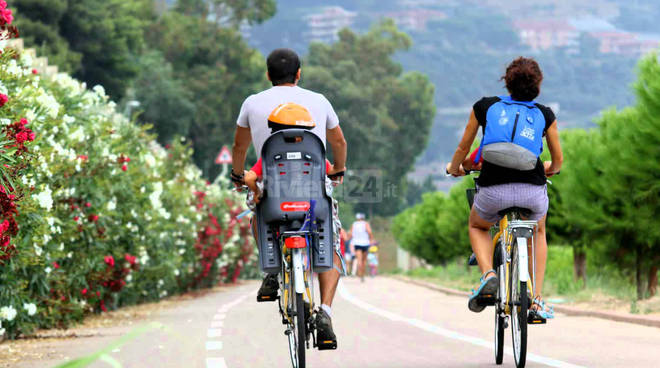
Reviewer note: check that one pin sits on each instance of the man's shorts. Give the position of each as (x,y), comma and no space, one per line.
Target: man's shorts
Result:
(492,199)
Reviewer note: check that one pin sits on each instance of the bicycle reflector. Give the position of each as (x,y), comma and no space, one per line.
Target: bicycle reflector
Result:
(295,242)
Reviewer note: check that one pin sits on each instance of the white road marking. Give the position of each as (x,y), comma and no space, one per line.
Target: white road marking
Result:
(214,345)
(215,331)
(216,363)
(444,332)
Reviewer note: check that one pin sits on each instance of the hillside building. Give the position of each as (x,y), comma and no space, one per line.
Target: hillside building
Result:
(325,25)
(547,34)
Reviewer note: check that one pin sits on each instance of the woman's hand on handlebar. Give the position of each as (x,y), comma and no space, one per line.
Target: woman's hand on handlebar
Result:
(549,169)
(459,172)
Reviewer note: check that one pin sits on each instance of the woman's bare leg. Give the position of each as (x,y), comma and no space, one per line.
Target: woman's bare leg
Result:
(482,245)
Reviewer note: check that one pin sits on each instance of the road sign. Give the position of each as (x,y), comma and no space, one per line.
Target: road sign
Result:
(224,157)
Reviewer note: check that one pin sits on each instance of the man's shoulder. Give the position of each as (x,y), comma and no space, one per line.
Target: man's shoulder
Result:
(312,94)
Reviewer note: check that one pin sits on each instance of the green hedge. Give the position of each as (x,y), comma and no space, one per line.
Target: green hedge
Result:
(96,214)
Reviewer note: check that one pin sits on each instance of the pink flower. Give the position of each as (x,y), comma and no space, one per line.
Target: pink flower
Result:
(21,137)
(93,218)
(130,259)
(4,226)
(56,265)
(31,136)
(124,168)
(84,291)
(76,218)
(109,260)
(83,157)
(35,71)
(23,122)
(5,16)
(87,204)
(3,99)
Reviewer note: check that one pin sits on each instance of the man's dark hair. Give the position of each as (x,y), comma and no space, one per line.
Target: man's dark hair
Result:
(283,65)
(523,79)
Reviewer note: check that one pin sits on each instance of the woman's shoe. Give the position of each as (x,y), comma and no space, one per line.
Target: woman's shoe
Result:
(487,290)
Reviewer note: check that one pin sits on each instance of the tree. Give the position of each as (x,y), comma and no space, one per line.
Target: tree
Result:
(386,114)
(93,39)
(165,101)
(218,68)
(436,229)
(39,24)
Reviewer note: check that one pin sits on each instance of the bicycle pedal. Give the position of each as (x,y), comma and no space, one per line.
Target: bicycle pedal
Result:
(486,300)
(327,345)
(266,298)
(536,320)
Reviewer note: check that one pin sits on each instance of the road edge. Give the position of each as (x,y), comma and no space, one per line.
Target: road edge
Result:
(569,311)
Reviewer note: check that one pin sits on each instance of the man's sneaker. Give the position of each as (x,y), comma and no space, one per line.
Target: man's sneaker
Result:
(325,337)
(268,290)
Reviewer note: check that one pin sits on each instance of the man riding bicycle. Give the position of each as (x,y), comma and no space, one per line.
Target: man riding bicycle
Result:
(253,126)
(512,175)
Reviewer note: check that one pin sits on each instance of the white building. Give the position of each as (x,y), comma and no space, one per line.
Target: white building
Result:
(325,25)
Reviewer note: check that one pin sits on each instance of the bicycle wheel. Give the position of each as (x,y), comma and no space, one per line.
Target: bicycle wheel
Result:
(499,336)
(291,331)
(301,333)
(519,306)
(499,262)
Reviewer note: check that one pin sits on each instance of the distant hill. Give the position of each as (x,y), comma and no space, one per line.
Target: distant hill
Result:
(465,51)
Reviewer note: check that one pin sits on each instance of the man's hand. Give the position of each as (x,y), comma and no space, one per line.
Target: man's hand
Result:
(238,180)
(455,172)
(338,180)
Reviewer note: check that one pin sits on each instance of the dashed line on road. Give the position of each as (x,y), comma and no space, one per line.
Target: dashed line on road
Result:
(216,331)
(442,331)
(216,363)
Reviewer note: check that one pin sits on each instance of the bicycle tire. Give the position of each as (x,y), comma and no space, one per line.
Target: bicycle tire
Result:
(499,263)
(519,306)
(499,337)
(301,329)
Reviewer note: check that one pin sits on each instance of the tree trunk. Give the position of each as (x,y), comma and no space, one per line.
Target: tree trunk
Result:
(580,265)
(638,272)
(653,281)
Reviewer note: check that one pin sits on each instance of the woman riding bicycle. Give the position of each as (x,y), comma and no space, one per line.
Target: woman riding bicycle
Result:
(509,177)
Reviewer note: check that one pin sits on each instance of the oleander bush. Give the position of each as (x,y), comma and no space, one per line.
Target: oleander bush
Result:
(93,213)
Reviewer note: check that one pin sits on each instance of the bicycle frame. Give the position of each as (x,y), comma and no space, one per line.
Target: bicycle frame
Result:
(519,231)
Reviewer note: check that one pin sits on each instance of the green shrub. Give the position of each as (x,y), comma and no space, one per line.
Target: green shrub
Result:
(99,214)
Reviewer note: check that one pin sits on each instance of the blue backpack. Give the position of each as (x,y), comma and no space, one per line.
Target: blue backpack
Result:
(513,137)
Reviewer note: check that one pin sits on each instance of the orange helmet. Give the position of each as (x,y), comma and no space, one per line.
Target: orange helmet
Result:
(290,115)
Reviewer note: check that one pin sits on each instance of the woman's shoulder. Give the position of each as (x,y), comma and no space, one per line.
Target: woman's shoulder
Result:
(481,107)
(485,103)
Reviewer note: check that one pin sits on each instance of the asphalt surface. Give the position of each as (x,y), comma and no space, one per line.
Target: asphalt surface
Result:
(380,323)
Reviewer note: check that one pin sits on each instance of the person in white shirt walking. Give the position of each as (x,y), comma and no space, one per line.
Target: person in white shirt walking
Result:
(361,239)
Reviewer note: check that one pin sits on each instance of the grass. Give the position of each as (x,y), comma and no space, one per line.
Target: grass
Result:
(606,287)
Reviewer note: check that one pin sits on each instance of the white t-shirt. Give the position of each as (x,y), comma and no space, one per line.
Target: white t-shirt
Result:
(256,109)
(360,234)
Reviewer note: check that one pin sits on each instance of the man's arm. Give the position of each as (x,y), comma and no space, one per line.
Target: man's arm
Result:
(242,140)
(337,141)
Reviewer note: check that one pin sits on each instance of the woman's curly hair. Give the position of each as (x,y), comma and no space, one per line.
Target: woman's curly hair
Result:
(523,79)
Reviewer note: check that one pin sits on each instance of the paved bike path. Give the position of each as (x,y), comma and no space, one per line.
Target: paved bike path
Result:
(381,323)
(387,323)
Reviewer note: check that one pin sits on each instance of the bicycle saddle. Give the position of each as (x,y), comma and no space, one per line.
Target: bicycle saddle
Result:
(524,212)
